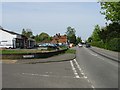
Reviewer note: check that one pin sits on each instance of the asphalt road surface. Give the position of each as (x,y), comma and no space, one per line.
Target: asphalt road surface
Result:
(101,71)
(88,70)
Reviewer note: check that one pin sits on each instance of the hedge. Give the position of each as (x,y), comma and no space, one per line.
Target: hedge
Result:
(113,44)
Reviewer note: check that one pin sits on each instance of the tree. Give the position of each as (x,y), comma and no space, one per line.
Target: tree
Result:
(89,39)
(111,10)
(78,40)
(37,39)
(23,32)
(28,33)
(71,35)
(109,32)
(95,35)
(43,37)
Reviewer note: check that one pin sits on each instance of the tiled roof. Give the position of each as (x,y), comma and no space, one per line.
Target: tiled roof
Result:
(59,39)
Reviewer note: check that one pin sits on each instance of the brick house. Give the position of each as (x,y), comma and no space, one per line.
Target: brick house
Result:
(59,39)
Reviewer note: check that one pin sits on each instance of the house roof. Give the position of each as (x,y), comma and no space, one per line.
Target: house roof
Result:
(11,32)
(59,38)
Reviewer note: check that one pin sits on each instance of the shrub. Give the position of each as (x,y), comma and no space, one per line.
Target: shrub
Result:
(99,44)
(113,44)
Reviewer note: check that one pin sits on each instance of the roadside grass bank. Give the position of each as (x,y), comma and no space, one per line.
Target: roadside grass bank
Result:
(72,51)
(21,51)
(29,53)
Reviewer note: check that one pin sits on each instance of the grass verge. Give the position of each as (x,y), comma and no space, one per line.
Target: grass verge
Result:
(71,51)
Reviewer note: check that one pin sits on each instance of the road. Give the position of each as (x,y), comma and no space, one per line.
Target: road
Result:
(101,71)
(88,70)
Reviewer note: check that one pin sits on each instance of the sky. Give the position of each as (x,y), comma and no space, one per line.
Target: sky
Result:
(52,17)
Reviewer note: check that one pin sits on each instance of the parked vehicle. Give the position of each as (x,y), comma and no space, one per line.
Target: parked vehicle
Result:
(6,46)
(48,46)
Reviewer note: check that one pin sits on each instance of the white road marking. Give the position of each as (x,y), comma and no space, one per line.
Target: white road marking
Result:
(84,76)
(90,52)
(74,70)
(77,64)
(45,75)
(100,58)
(93,54)
(92,86)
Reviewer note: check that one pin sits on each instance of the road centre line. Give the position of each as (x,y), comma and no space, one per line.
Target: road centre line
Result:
(74,70)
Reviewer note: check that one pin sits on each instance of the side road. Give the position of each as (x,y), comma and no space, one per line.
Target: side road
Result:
(57,58)
(106,53)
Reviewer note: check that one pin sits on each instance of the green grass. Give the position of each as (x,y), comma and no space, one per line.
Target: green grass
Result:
(19,51)
(71,51)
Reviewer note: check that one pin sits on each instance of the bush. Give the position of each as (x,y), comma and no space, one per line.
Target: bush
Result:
(113,44)
(99,44)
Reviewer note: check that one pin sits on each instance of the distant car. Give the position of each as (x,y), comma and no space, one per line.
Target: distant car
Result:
(88,45)
(80,45)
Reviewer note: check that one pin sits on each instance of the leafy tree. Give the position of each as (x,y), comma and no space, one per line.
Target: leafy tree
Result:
(43,37)
(111,10)
(89,39)
(28,33)
(109,32)
(78,40)
(95,36)
(37,39)
(71,35)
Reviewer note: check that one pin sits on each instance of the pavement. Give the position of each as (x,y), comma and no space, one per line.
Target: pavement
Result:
(106,53)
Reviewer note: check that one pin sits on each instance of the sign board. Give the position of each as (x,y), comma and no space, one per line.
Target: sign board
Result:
(28,56)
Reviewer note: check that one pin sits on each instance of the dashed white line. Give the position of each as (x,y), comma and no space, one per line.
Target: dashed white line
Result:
(74,70)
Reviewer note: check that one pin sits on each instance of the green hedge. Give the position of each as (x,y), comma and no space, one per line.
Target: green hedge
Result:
(113,44)
(99,44)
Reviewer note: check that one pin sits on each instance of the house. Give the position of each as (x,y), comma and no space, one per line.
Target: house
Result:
(9,39)
(59,39)
(31,43)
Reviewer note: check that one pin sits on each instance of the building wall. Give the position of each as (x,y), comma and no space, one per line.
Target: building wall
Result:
(6,38)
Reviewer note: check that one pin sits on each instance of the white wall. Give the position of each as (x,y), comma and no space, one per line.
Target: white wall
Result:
(5,36)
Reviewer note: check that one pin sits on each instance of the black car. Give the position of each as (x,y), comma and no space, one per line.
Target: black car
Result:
(88,45)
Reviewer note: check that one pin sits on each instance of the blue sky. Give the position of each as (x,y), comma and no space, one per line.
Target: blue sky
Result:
(52,17)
